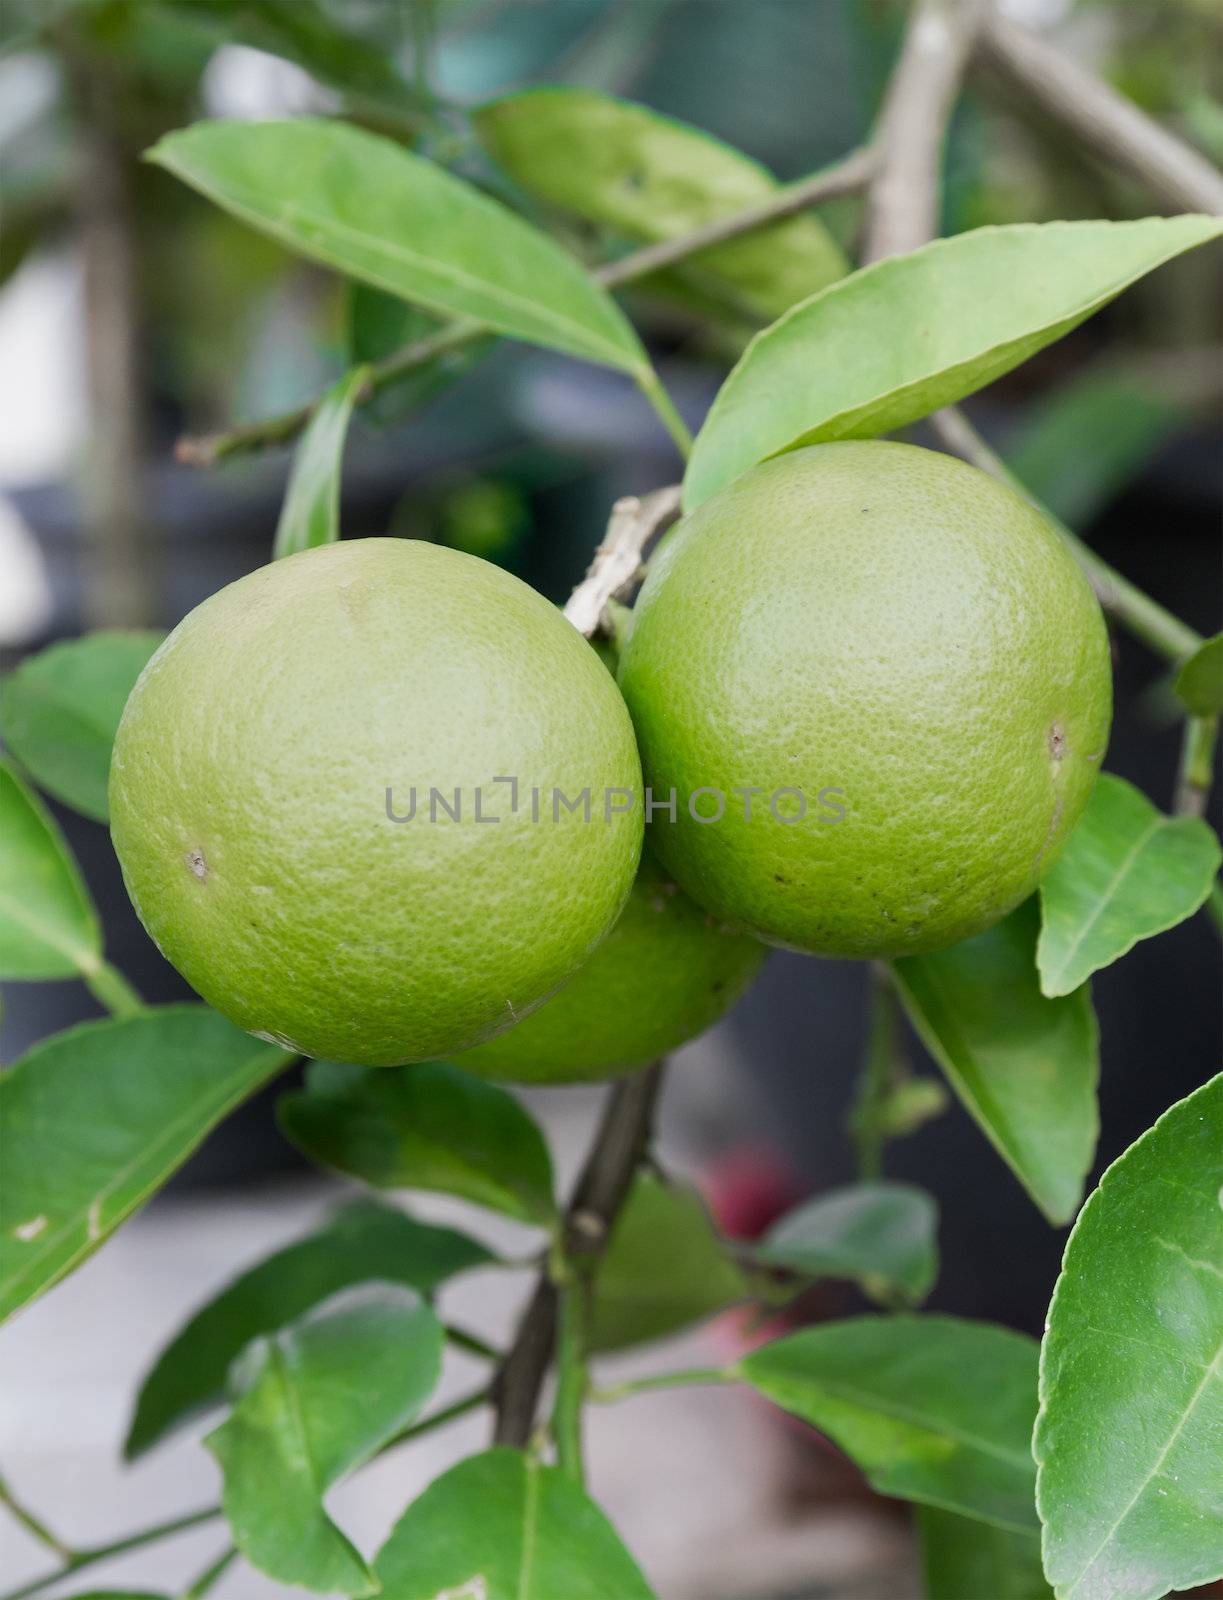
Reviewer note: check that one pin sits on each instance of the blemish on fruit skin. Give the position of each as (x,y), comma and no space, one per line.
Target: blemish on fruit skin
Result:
(25,1231)
(1057,741)
(196,864)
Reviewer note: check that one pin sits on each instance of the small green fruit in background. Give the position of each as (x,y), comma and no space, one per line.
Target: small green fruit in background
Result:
(908,645)
(664,974)
(249,800)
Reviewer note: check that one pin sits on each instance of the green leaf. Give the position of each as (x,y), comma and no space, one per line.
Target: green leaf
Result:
(97,1118)
(370,209)
(317,1400)
(48,926)
(1126,872)
(1130,1485)
(931,1408)
(1024,1066)
(907,335)
(1200,681)
(882,1235)
(665,1268)
(363,1241)
(650,177)
(1082,443)
(501,1526)
(310,514)
(61,707)
(429,1126)
(967,1560)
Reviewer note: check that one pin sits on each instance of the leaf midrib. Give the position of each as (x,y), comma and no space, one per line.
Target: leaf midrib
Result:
(1212,1371)
(1156,825)
(241,201)
(900,1413)
(84,958)
(228,1088)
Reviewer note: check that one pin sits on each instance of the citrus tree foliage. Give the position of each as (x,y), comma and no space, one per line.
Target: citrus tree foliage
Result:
(327,1353)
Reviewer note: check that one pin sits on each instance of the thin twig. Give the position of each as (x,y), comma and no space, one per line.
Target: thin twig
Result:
(102,1552)
(881,1066)
(902,209)
(471,1343)
(1108,124)
(844,177)
(617,561)
(598,1195)
(1162,632)
(76,1560)
(34,1526)
(1197,766)
(211,1575)
(662,1380)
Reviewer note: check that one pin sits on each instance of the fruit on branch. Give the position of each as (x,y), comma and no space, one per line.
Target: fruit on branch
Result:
(665,973)
(893,661)
(282,726)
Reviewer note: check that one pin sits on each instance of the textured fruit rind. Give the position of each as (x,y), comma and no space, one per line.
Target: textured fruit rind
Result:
(665,973)
(890,624)
(248,800)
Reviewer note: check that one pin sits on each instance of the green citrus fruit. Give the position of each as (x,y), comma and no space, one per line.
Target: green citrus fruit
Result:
(900,658)
(666,972)
(282,725)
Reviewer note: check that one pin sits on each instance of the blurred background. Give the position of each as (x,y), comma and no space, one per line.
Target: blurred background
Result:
(133,313)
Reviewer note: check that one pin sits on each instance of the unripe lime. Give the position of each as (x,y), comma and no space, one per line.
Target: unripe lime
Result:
(274,734)
(665,973)
(902,642)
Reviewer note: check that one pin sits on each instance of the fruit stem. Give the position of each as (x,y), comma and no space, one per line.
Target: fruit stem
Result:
(108,985)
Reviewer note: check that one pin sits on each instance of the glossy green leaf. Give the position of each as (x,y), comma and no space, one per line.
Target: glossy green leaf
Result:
(1082,443)
(664,1268)
(365,1240)
(317,1400)
(882,1235)
(97,1118)
(931,1408)
(48,926)
(310,514)
(429,1126)
(59,711)
(502,1526)
(1128,1441)
(909,334)
(649,177)
(371,209)
(1126,872)
(1025,1066)
(1200,681)
(967,1560)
